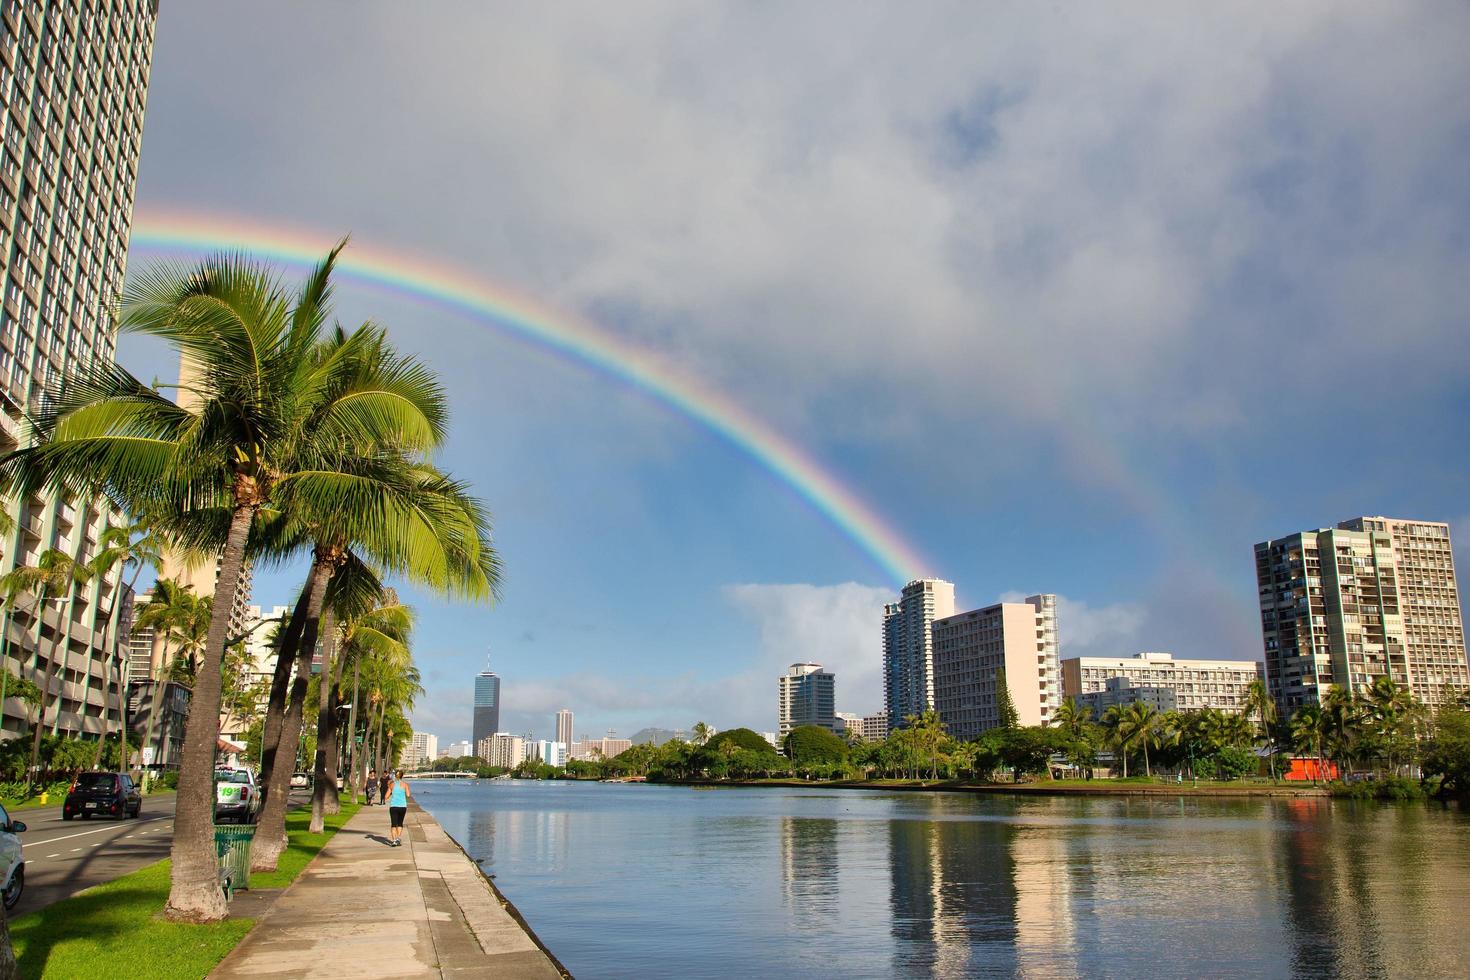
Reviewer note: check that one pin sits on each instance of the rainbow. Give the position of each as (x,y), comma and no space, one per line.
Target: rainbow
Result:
(558,332)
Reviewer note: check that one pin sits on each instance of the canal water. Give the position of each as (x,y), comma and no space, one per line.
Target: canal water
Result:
(654,881)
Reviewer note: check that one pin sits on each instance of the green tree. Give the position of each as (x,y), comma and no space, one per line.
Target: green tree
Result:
(1005,708)
(742,738)
(701,733)
(1446,754)
(54,578)
(811,743)
(1028,750)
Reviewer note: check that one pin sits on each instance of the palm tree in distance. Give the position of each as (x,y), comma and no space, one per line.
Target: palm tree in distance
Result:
(1308,733)
(134,546)
(168,604)
(52,579)
(1071,717)
(1258,702)
(268,409)
(701,733)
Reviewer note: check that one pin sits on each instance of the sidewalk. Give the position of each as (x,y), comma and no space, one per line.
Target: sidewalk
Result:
(363,909)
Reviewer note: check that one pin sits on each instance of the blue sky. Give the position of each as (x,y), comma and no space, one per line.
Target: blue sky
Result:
(1080,302)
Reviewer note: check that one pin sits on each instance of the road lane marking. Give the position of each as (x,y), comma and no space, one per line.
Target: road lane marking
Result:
(75,849)
(88,833)
(56,855)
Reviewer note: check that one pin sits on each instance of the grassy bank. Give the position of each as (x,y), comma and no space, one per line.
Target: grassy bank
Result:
(115,930)
(1137,786)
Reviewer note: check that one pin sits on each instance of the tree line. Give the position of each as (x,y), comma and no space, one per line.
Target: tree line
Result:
(290,437)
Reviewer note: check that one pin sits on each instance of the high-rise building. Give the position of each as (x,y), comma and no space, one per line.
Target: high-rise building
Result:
(1374,597)
(908,647)
(552,753)
(487,706)
(73,83)
(599,748)
(502,749)
(1101,682)
(564,726)
(1010,643)
(849,724)
(806,695)
(458,750)
(422,749)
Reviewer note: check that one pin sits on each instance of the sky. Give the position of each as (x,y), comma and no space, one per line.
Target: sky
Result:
(1074,300)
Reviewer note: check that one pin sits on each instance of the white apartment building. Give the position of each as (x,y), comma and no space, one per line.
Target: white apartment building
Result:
(564,726)
(552,753)
(422,749)
(502,749)
(1196,684)
(599,748)
(908,650)
(849,724)
(806,695)
(1014,643)
(458,750)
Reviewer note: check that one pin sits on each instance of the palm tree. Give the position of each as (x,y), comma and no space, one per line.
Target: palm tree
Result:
(267,409)
(424,525)
(701,733)
(125,545)
(381,632)
(169,603)
(1258,702)
(1131,727)
(188,634)
(1071,717)
(1308,732)
(53,578)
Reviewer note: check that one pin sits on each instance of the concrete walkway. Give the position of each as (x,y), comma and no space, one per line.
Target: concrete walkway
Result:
(364,909)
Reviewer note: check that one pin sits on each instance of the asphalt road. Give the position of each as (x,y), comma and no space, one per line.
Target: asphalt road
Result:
(64,857)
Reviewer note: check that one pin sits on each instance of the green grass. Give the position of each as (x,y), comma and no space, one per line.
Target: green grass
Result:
(113,930)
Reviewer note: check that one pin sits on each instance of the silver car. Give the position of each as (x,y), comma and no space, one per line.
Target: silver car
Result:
(12,860)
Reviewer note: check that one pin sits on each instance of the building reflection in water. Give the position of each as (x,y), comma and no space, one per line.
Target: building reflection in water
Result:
(809,864)
(952,898)
(1370,891)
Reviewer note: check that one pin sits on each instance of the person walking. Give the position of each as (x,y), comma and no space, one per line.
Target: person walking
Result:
(371,787)
(397,800)
(383,781)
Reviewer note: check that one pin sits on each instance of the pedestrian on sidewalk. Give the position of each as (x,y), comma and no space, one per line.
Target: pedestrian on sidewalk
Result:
(371,787)
(397,799)
(383,782)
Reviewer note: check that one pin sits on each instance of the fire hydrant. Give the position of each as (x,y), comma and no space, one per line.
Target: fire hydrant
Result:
(45,797)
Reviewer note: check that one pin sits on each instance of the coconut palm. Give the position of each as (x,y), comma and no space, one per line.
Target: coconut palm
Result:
(1309,733)
(1071,717)
(266,409)
(701,733)
(169,603)
(1131,728)
(126,545)
(381,630)
(1260,704)
(187,635)
(54,577)
(434,533)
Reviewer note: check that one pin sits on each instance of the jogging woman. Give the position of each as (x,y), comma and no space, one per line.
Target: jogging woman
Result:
(398,794)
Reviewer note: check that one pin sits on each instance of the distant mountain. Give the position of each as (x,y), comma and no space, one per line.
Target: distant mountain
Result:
(657,736)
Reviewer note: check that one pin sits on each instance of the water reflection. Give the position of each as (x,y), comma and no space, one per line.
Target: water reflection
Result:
(663,882)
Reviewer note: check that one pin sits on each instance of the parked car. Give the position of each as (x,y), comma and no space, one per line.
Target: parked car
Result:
(12,860)
(236,796)
(300,780)
(112,794)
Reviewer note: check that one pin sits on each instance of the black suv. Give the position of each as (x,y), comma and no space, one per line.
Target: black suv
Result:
(111,793)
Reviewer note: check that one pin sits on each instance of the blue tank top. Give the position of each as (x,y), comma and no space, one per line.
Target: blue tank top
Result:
(397,797)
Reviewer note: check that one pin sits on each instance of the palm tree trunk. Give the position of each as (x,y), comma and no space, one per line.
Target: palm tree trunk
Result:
(382,725)
(324,782)
(1147,769)
(270,831)
(47,676)
(352,736)
(275,711)
(194,893)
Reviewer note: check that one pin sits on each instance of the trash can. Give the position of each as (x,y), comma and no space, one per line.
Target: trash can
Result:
(232,844)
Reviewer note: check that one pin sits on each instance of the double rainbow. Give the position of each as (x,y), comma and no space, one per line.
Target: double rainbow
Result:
(564,334)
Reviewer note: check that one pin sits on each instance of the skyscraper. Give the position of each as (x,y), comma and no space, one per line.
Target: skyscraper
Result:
(73,83)
(487,706)
(806,695)
(908,647)
(564,726)
(1374,597)
(1014,643)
